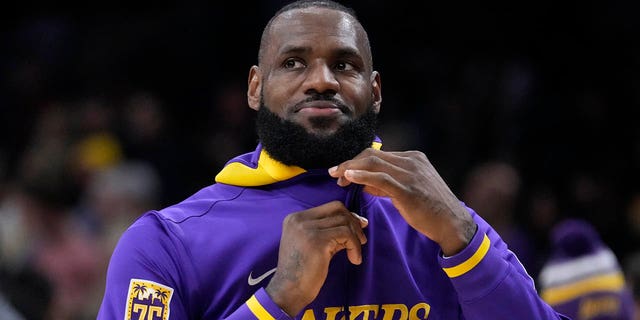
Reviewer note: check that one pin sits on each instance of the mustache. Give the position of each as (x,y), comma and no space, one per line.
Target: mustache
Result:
(324,97)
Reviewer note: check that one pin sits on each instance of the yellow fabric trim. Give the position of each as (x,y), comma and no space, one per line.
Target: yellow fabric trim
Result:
(258,310)
(564,293)
(470,263)
(267,172)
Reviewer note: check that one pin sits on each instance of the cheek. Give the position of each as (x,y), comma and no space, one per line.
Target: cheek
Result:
(360,96)
(279,96)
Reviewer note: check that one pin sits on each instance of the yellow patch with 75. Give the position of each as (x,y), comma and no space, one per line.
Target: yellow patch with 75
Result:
(148,300)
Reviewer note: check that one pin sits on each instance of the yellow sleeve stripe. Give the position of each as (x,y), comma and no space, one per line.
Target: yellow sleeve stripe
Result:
(258,310)
(606,283)
(470,263)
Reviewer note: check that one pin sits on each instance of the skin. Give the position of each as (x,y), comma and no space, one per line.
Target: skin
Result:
(318,50)
(313,51)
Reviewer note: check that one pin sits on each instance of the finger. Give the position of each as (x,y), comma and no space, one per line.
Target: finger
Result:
(380,183)
(343,182)
(374,164)
(343,238)
(354,222)
(364,222)
(338,219)
(341,218)
(355,254)
(365,160)
(322,211)
(356,228)
(370,163)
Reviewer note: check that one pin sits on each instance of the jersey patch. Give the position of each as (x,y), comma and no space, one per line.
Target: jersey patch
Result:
(148,300)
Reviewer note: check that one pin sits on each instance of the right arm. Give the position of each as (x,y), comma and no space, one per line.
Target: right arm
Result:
(144,260)
(147,265)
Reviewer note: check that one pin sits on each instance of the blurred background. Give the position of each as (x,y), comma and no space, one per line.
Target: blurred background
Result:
(528,110)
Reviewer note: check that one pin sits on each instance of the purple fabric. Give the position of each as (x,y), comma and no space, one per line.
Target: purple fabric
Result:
(209,246)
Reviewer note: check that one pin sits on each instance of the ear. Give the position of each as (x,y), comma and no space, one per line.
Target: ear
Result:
(254,87)
(376,91)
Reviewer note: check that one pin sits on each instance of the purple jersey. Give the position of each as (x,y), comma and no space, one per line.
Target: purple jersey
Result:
(210,257)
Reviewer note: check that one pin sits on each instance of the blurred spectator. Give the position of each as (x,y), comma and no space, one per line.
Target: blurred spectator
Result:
(492,189)
(93,153)
(112,199)
(52,262)
(12,240)
(117,196)
(59,249)
(582,278)
(94,145)
(146,136)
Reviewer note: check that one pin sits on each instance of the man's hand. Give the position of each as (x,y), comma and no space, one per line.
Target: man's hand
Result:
(416,190)
(309,240)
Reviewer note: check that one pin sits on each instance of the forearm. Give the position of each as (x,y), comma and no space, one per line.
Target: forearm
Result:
(490,281)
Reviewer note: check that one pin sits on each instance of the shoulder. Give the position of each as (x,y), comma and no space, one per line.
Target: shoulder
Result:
(199,204)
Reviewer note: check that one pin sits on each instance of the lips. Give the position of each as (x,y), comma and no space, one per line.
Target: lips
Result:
(321,106)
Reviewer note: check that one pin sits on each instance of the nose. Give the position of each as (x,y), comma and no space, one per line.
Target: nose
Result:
(320,79)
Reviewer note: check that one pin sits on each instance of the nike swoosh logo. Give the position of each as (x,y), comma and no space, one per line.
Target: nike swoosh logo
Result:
(253,281)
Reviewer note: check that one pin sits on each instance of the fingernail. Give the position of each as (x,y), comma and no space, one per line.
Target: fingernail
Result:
(360,217)
(332,170)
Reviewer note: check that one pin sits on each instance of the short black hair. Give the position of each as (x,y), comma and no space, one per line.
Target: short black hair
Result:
(303,4)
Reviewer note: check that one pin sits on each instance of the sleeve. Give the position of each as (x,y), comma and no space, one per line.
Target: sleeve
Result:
(261,307)
(490,281)
(147,279)
(144,275)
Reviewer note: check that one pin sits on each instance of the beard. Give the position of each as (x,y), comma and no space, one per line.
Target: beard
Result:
(291,144)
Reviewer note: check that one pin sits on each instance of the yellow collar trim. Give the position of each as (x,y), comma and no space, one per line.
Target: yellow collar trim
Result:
(267,172)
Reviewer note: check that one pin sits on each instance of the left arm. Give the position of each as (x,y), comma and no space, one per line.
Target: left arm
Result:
(490,281)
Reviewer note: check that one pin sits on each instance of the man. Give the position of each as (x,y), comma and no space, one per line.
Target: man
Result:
(378,235)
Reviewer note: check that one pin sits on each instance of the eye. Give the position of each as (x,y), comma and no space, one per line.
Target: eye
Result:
(292,64)
(344,66)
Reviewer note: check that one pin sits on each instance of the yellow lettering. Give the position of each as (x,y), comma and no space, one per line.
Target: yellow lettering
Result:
(308,315)
(140,308)
(363,310)
(590,308)
(390,310)
(413,314)
(154,311)
(398,311)
(332,313)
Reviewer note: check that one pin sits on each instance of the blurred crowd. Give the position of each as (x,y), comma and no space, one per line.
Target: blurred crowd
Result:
(107,112)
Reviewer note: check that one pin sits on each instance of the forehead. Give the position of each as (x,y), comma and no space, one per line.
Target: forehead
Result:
(315,26)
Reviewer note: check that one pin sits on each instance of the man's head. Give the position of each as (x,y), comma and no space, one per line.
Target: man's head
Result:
(315,90)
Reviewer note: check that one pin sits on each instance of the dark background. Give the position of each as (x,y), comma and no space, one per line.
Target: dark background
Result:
(551,89)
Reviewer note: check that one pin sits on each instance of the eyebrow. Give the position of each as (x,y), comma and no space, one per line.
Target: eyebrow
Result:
(290,49)
(348,52)
(340,52)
